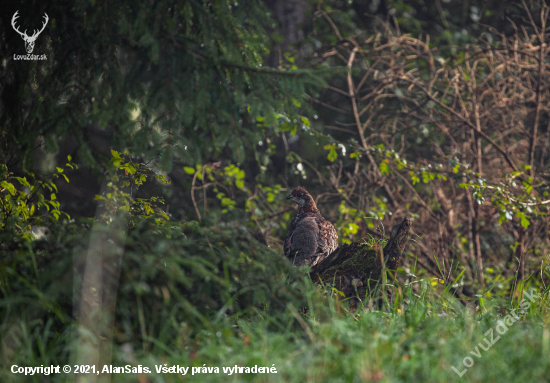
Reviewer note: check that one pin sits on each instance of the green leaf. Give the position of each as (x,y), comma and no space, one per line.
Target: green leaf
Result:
(128,167)
(189,170)
(289,127)
(384,168)
(9,187)
(332,155)
(23,181)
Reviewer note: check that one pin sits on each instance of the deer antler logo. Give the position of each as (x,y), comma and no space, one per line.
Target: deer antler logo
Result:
(29,40)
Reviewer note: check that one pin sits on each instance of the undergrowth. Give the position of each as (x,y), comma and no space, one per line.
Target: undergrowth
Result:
(200,303)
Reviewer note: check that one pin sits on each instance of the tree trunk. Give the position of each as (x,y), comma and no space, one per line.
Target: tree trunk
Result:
(360,266)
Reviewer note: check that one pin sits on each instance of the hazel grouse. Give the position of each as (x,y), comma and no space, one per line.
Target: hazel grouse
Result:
(310,238)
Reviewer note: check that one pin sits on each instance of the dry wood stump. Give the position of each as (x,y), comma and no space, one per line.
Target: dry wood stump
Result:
(359,265)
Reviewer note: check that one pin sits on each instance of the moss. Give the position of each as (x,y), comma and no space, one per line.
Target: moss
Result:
(362,261)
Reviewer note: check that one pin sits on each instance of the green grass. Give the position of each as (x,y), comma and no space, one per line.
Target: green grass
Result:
(185,301)
(418,344)
(417,341)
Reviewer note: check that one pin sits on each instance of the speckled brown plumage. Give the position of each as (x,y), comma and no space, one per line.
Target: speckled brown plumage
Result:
(311,238)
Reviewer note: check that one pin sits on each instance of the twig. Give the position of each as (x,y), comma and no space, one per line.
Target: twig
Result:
(464,120)
(193,195)
(340,129)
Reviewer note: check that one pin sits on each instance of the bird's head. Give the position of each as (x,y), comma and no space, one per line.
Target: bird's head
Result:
(301,197)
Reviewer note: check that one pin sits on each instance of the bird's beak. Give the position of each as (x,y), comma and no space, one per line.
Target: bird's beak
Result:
(288,196)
